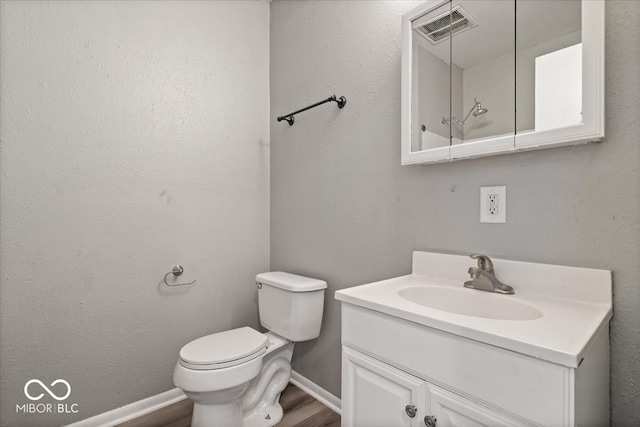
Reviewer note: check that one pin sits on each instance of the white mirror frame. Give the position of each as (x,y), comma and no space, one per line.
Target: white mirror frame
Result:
(590,130)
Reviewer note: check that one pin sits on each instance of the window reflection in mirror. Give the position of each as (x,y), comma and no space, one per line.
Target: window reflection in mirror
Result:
(549,65)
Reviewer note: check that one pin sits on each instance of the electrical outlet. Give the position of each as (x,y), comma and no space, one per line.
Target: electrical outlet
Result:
(493,204)
(492,207)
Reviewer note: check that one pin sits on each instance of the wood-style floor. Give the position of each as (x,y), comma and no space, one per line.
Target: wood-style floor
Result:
(300,410)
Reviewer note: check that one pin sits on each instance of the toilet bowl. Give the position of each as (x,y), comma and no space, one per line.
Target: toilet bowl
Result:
(235,377)
(233,392)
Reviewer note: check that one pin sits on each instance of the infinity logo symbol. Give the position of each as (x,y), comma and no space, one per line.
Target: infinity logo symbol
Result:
(52,394)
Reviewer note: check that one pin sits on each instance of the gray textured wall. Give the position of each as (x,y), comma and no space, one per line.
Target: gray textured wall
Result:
(134,137)
(344,210)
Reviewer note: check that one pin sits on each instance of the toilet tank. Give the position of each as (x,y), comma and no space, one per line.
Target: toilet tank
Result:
(291,305)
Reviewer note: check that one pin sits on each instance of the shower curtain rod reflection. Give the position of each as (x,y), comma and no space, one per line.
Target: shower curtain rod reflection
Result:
(289,117)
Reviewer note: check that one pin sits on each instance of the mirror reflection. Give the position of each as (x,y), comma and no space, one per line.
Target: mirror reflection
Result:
(476,62)
(431,79)
(549,64)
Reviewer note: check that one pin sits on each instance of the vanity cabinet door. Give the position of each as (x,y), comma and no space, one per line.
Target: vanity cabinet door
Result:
(375,394)
(452,410)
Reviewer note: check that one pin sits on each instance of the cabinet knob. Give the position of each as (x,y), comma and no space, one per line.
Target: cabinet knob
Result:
(411,410)
(430,421)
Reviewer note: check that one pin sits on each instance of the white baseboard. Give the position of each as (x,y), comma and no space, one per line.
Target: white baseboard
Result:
(133,410)
(150,404)
(313,389)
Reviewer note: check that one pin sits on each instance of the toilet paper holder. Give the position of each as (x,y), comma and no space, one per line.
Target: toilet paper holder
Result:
(177,270)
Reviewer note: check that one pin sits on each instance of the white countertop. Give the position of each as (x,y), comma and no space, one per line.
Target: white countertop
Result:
(575,302)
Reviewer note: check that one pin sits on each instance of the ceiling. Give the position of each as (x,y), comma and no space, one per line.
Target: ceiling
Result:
(537,21)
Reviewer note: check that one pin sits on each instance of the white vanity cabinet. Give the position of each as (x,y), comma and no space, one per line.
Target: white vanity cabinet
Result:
(396,373)
(378,394)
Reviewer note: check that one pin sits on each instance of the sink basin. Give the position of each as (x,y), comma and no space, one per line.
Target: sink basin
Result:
(470,302)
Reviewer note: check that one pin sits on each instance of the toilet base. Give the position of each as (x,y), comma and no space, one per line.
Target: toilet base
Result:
(230,415)
(218,409)
(265,417)
(261,403)
(216,415)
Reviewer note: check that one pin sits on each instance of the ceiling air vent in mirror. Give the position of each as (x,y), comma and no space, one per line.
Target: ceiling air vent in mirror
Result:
(437,29)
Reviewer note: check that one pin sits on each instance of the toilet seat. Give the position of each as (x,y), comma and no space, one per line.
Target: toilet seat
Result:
(224,349)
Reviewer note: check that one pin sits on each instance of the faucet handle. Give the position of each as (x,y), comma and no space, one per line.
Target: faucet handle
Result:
(484,262)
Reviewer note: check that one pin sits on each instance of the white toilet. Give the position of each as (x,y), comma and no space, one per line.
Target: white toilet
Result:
(235,377)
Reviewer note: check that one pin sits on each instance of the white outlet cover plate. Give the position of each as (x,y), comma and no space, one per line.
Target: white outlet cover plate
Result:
(501,215)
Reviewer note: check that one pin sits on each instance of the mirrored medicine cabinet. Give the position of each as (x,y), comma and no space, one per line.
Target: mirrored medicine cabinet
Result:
(488,77)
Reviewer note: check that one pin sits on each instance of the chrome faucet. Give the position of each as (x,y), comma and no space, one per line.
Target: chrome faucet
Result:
(483,277)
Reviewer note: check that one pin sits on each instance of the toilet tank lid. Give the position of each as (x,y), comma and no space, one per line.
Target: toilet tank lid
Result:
(290,282)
